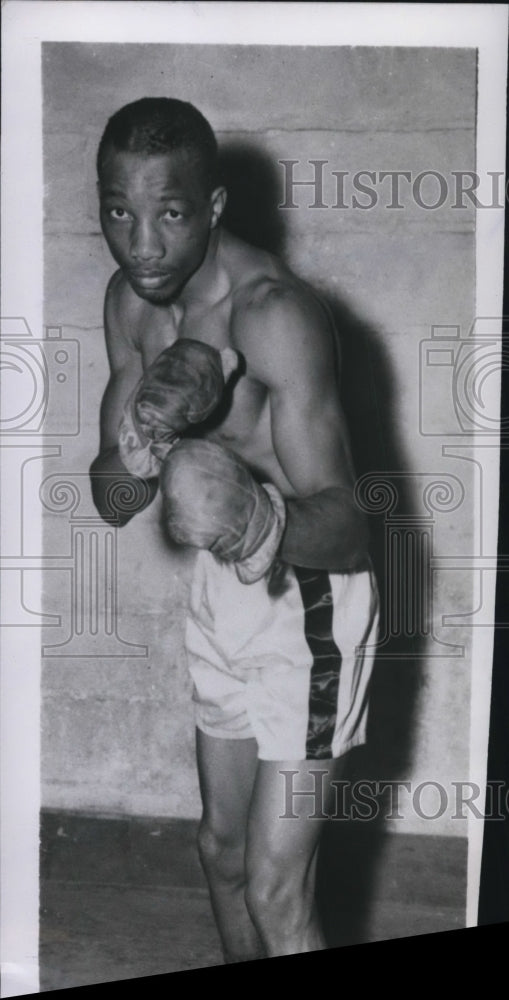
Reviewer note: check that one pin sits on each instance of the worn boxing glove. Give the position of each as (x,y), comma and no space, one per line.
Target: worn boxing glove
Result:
(181,387)
(211,501)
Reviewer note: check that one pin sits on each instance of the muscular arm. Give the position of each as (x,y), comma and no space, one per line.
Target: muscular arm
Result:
(294,358)
(117,494)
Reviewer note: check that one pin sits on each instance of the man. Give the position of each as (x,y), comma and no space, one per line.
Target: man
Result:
(223,393)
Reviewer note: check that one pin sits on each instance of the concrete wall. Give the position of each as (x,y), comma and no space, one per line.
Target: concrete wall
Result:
(117,728)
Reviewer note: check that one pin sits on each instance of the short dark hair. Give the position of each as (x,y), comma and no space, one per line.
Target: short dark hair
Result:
(155,125)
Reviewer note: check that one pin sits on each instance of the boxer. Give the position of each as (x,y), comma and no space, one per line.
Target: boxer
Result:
(223,397)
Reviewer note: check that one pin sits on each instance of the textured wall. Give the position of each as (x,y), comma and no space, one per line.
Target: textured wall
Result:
(117,729)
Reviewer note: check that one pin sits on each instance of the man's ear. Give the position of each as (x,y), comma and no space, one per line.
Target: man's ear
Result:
(217,203)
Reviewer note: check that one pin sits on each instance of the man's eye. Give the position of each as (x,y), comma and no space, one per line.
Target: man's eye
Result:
(171,213)
(119,214)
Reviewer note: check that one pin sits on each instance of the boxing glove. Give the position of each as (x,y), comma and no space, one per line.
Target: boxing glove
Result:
(181,387)
(211,501)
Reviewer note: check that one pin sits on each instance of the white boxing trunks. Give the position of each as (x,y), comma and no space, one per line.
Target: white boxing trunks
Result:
(292,670)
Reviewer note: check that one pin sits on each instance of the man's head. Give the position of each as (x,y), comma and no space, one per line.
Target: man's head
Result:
(157,178)
(158,125)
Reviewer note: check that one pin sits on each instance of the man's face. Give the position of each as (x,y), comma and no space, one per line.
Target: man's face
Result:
(156,218)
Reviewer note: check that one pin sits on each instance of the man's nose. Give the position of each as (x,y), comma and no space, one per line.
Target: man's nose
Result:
(146,243)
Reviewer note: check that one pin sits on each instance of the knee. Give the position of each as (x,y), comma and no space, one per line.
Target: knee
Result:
(270,891)
(221,855)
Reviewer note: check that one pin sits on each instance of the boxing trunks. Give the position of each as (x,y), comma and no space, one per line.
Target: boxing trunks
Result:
(291,670)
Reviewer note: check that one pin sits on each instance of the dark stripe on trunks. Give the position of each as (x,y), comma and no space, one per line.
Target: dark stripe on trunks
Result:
(316,593)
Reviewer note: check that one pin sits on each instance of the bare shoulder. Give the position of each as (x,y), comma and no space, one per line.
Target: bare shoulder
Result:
(123,310)
(281,325)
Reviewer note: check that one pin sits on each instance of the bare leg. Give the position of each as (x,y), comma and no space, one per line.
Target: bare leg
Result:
(282,852)
(227,770)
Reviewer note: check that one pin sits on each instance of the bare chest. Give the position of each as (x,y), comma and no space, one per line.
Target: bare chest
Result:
(242,421)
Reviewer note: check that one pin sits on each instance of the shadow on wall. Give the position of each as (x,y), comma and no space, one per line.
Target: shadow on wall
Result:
(369,399)
(254,191)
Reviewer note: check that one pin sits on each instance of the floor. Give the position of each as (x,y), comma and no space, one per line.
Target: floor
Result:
(125,897)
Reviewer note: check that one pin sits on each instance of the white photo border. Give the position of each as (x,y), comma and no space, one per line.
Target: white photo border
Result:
(26,26)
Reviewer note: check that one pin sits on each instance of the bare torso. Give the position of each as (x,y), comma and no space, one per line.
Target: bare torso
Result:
(243,278)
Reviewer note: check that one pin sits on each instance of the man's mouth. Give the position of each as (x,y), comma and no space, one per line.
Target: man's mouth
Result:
(149,278)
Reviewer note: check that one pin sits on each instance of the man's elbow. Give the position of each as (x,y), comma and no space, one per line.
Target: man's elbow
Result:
(359,540)
(348,535)
(117,498)
(101,496)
